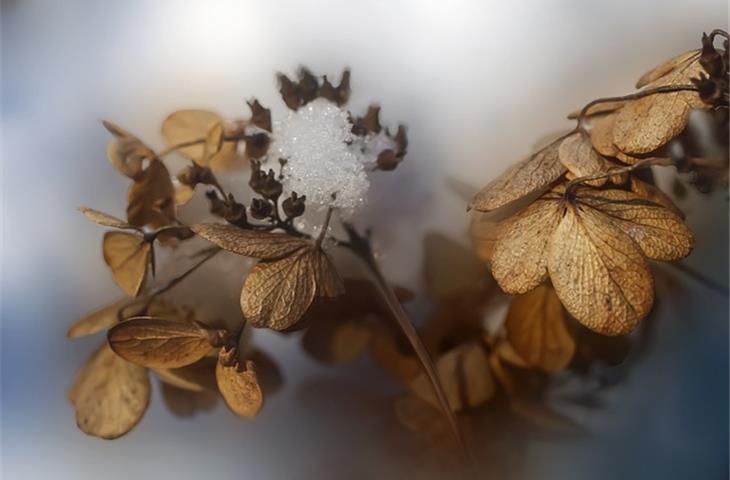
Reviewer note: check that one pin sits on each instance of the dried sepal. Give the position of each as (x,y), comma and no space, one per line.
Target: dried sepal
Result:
(110,395)
(660,233)
(667,67)
(593,244)
(465,376)
(653,194)
(599,273)
(536,328)
(128,256)
(126,152)
(189,125)
(239,387)
(250,243)
(151,198)
(277,293)
(648,123)
(576,153)
(519,261)
(105,219)
(100,319)
(158,343)
(533,174)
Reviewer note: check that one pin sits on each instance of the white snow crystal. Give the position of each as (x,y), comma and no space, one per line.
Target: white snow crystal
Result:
(323,157)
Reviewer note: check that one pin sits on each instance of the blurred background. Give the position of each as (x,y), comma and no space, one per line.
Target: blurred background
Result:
(477,83)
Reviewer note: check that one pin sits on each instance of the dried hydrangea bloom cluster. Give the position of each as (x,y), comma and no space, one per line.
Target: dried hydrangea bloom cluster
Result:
(583,215)
(321,155)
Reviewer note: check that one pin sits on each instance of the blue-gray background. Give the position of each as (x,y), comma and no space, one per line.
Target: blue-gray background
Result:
(477,82)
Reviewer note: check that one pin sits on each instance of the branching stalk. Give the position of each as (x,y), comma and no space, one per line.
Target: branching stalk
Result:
(361,247)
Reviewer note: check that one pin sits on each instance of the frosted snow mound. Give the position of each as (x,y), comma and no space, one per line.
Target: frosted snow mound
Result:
(323,157)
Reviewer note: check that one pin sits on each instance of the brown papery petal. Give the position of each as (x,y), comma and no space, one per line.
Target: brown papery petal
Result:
(250,243)
(110,394)
(578,156)
(661,70)
(465,375)
(98,320)
(240,390)
(537,330)
(532,174)
(276,294)
(126,152)
(151,198)
(645,124)
(156,343)
(195,377)
(652,193)
(128,256)
(660,233)
(105,219)
(189,125)
(519,259)
(599,273)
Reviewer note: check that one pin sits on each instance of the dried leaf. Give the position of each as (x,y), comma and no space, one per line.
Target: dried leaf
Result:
(240,390)
(519,260)
(645,124)
(100,319)
(661,234)
(213,141)
(599,273)
(276,294)
(576,153)
(250,243)
(157,343)
(128,256)
(450,269)
(110,394)
(537,330)
(189,125)
(105,219)
(126,152)
(151,198)
(535,173)
(652,193)
(465,375)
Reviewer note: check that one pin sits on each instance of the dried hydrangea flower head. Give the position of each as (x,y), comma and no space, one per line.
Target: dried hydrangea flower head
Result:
(583,217)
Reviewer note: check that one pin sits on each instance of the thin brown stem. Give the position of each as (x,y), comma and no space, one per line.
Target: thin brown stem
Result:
(360,246)
(325,226)
(636,96)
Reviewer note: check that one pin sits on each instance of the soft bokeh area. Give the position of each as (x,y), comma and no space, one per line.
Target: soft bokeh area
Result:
(477,83)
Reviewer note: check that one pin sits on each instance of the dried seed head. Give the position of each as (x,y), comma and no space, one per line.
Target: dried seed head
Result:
(260,209)
(710,59)
(294,205)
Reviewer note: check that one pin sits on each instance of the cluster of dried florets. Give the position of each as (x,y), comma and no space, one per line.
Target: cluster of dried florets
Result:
(321,153)
(582,215)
